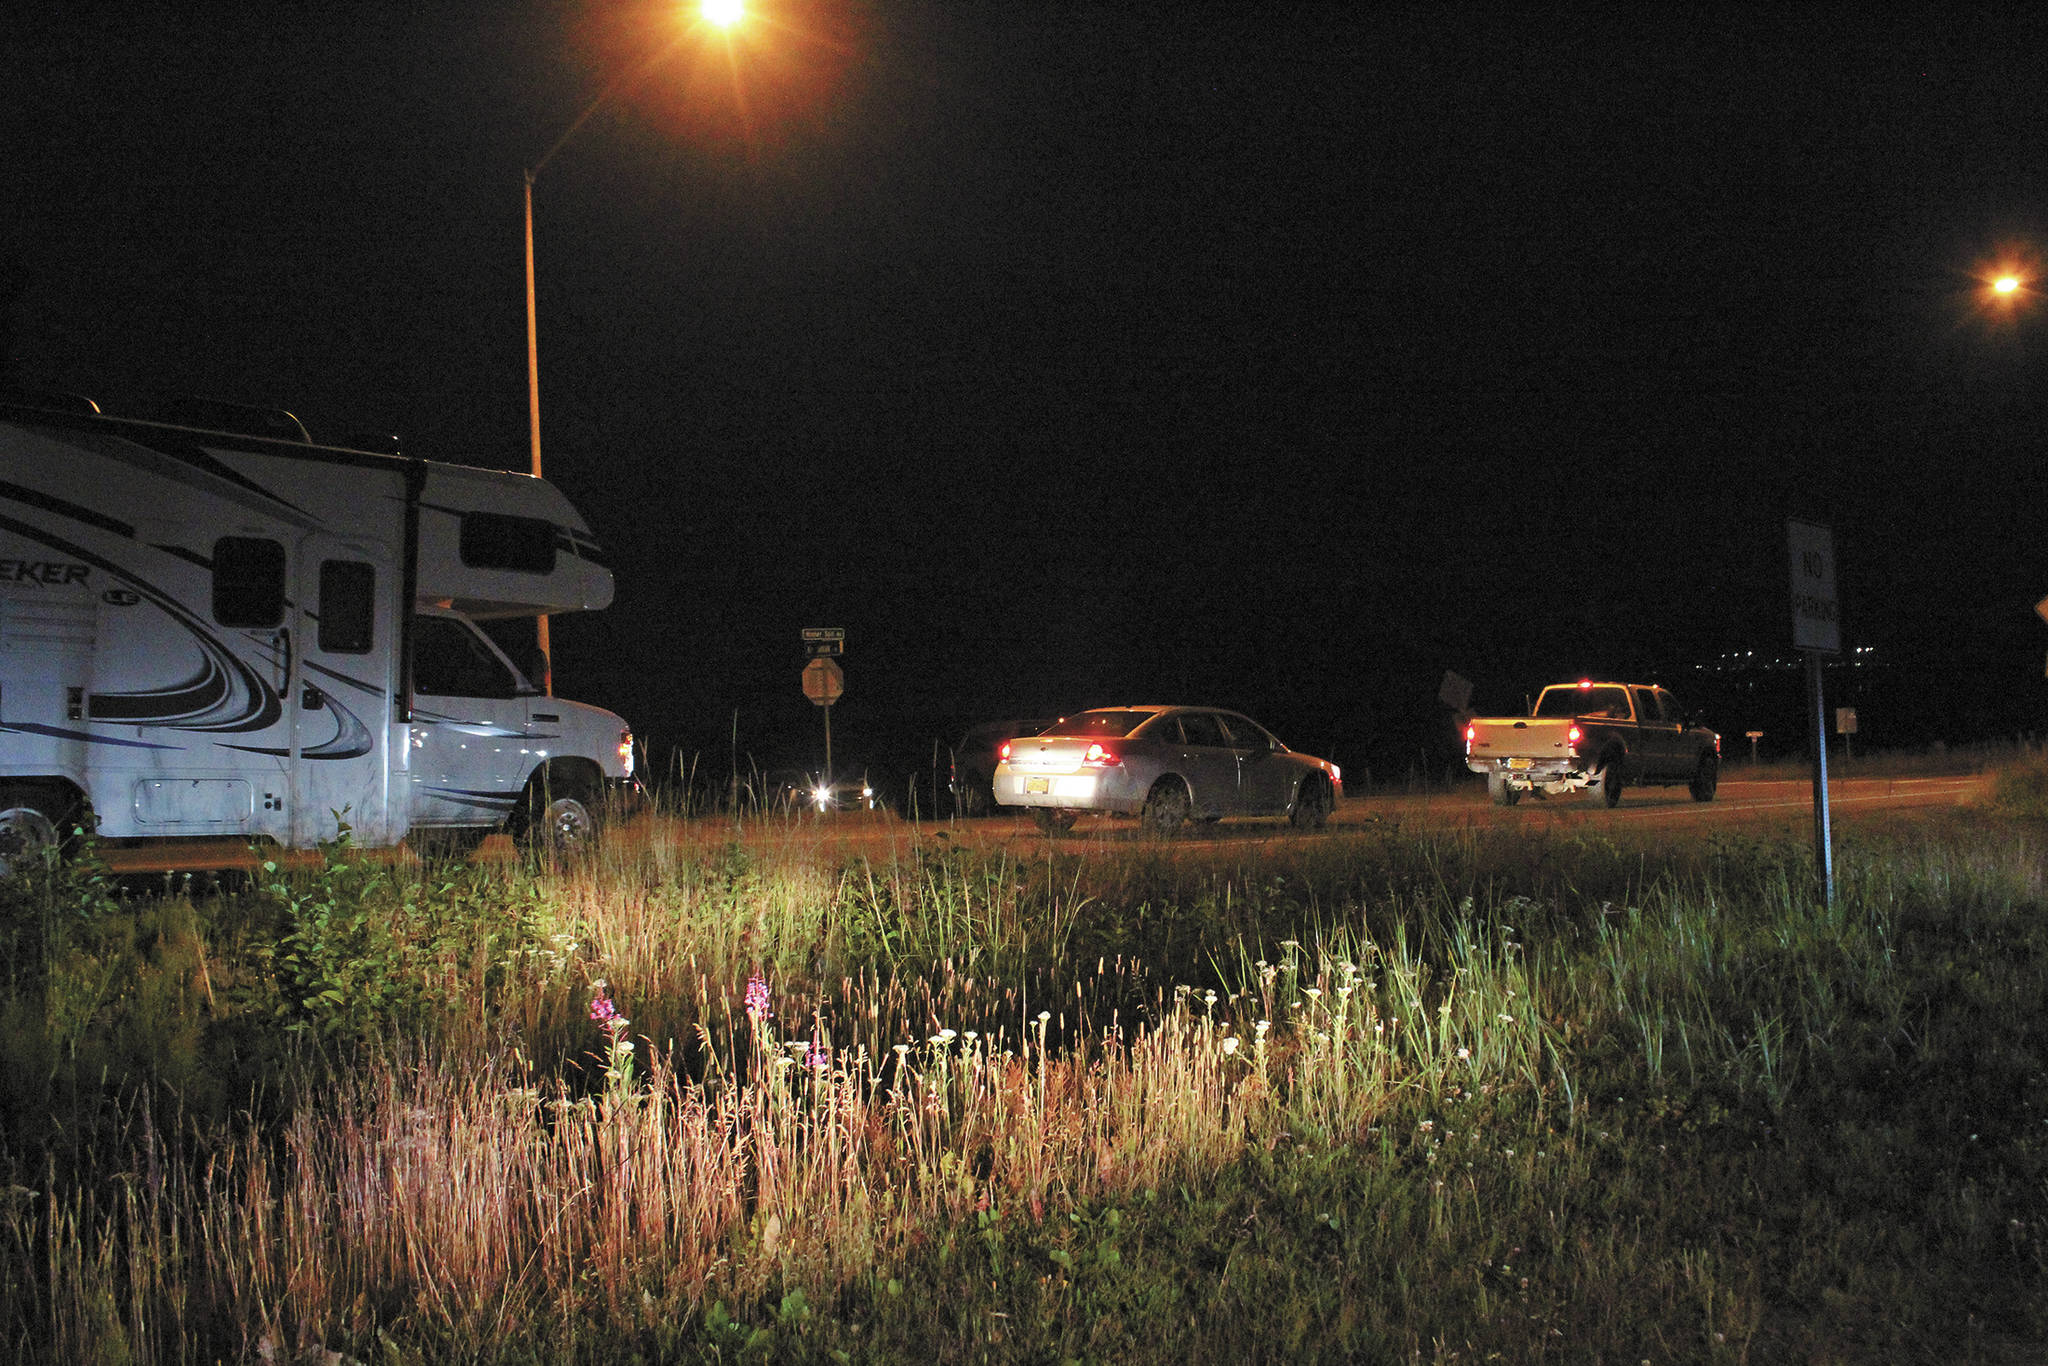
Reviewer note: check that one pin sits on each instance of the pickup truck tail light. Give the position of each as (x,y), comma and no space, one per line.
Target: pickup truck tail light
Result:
(1471,734)
(1574,735)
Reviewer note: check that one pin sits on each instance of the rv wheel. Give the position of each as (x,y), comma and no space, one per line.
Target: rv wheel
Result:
(25,833)
(558,816)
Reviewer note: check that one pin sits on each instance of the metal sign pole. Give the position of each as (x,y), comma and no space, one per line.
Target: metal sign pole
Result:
(1823,838)
(1816,629)
(828,746)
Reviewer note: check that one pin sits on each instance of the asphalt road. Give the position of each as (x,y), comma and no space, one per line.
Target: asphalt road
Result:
(1767,804)
(1753,805)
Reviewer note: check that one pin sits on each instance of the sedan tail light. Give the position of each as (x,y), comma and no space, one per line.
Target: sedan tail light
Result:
(1003,750)
(1099,756)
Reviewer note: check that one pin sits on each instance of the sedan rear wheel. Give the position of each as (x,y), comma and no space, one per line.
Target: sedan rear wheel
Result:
(1052,820)
(1169,806)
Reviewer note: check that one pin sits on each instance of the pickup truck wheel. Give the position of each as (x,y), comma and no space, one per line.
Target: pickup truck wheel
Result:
(1052,820)
(1608,790)
(1705,779)
(1311,804)
(1168,807)
(1503,792)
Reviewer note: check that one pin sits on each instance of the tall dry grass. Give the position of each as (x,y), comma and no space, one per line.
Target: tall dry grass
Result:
(1527,1094)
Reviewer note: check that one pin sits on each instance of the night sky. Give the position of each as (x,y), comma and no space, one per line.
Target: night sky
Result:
(1279,357)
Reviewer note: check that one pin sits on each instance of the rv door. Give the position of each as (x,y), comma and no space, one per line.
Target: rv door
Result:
(340,658)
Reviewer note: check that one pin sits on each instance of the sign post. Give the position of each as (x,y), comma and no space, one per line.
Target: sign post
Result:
(1817,630)
(824,680)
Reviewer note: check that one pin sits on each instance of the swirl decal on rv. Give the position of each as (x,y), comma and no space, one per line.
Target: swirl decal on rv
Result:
(225,694)
(65,733)
(351,738)
(479,800)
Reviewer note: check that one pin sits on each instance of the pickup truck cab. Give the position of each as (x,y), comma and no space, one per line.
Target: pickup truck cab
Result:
(1594,738)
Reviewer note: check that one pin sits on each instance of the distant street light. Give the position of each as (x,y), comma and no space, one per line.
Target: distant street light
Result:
(2006,284)
(722,14)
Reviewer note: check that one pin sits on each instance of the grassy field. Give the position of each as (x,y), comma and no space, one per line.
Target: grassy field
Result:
(1391,1096)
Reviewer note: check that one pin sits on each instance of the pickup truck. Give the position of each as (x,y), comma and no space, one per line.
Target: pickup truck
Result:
(1594,738)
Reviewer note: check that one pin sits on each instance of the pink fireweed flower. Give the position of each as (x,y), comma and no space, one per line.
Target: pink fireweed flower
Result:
(757,998)
(606,1015)
(818,1056)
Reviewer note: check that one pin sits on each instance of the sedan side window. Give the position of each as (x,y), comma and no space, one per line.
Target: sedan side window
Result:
(1246,734)
(1203,728)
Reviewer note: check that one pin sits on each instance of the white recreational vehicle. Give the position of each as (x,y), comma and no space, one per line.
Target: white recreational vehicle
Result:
(212,634)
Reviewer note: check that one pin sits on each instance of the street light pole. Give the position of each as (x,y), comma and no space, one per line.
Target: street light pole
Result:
(721,14)
(547,658)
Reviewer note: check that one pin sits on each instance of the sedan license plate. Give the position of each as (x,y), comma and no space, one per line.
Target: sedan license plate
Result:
(1519,764)
(1038,784)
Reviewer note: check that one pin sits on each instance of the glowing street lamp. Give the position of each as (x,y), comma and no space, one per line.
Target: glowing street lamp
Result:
(721,14)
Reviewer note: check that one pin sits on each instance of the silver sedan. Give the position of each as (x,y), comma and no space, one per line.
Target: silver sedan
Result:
(1167,765)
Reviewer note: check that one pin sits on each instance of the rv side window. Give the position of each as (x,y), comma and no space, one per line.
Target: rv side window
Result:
(449,659)
(492,540)
(248,582)
(348,607)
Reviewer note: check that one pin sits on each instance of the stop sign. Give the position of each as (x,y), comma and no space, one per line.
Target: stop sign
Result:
(824,680)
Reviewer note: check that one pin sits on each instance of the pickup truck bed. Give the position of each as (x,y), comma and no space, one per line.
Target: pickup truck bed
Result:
(1595,738)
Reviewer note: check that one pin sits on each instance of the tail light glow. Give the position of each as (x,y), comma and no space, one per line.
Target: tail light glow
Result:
(1099,756)
(1003,750)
